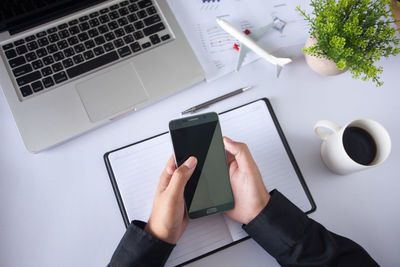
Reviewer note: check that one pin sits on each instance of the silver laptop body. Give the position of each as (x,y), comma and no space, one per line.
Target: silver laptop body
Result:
(135,73)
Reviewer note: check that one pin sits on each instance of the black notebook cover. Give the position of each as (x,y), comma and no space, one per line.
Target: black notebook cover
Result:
(284,142)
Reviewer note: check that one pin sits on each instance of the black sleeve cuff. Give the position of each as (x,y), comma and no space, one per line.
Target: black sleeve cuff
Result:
(139,248)
(278,226)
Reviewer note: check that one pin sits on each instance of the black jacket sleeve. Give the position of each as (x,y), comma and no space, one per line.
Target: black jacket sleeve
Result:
(293,239)
(139,248)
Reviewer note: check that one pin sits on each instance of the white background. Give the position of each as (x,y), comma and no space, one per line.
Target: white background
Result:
(57,208)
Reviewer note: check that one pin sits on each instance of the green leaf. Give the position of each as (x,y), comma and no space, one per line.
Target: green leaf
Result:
(354,34)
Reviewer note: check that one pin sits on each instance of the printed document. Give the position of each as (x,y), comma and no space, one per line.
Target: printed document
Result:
(214,47)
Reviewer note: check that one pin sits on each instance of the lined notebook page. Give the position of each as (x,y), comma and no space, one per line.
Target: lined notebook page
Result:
(201,236)
(137,169)
(253,125)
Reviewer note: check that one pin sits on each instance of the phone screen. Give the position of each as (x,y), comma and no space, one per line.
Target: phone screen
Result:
(208,190)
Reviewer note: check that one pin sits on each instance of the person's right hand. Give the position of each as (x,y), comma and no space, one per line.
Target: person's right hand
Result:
(168,219)
(249,191)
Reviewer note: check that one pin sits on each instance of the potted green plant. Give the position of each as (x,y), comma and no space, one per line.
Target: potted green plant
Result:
(350,34)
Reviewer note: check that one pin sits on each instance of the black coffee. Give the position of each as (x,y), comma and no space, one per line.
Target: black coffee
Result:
(359,145)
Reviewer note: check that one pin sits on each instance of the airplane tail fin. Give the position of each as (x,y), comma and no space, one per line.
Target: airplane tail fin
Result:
(281,62)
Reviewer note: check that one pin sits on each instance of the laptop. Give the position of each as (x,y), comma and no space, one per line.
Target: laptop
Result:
(69,66)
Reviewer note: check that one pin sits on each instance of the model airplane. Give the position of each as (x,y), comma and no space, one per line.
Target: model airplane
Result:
(248,42)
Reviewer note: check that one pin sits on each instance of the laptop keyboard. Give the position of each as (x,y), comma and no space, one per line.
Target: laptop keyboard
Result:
(49,58)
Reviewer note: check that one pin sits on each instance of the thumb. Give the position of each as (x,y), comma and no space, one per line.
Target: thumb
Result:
(181,176)
(240,152)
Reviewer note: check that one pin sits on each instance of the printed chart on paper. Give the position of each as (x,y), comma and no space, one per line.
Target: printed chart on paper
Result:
(214,47)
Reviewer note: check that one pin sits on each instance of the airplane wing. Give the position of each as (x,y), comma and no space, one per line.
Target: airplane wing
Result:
(242,54)
(244,49)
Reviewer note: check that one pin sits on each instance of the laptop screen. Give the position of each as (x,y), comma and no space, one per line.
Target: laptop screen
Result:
(19,15)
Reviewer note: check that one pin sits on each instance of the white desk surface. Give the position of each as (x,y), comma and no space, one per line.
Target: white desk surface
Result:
(58,207)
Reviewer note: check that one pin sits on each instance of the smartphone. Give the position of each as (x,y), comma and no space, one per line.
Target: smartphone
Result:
(208,191)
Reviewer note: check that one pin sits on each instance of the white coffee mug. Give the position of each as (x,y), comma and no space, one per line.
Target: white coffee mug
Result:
(333,151)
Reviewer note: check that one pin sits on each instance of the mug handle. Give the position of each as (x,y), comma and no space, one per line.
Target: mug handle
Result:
(330,125)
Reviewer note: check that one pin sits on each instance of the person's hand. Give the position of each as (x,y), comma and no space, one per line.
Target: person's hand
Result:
(168,219)
(249,191)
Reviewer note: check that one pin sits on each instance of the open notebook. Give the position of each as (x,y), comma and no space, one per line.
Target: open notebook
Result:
(135,169)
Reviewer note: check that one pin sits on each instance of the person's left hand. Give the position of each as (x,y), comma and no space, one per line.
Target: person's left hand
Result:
(168,219)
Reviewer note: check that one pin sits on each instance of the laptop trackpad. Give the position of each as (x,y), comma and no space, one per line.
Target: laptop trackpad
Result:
(112,92)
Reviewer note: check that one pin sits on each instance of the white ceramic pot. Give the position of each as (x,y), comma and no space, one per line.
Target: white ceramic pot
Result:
(321,65)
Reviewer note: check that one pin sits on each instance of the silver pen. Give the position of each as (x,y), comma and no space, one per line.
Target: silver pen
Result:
(212,101)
